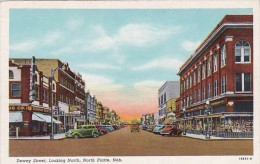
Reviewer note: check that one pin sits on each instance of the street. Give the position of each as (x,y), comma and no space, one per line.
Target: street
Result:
(124,143)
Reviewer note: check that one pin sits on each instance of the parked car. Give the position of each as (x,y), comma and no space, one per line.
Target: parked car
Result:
(83,131)
(135,128)
(101,129)
(144,127)
(109,128)
(150,128)
(172,130)
(158,129)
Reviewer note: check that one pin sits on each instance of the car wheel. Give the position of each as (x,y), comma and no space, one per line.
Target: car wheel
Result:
(76,136)
(95,135)
(162,134)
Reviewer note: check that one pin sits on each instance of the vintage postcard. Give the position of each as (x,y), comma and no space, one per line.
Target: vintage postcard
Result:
(129,82)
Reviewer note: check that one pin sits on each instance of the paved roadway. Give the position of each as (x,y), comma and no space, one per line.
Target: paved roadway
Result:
(124,143)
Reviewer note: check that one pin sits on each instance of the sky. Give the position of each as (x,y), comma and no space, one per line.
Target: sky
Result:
(124,55)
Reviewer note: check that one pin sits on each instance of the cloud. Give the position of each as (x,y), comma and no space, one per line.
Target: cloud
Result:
(74,24)
(190,45)
(148,84)
(99,66)
(163,63)
(139,35)
(24,46)
(100,84)
(47,39)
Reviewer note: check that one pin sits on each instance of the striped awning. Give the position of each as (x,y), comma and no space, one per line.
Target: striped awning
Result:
(47,118)
(15,116)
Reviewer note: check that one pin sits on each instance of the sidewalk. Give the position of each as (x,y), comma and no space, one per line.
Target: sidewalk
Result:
(202,137)
(46,137)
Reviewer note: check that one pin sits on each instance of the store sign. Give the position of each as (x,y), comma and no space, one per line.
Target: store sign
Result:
(28,108)
(74,108)
(217,103)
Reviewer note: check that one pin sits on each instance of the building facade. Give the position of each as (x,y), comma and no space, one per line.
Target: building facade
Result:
(169,90)
(90,108)
(218,78)
(30,113)
(67,99)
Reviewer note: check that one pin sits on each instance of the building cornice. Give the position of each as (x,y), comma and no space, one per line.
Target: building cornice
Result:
(211,39)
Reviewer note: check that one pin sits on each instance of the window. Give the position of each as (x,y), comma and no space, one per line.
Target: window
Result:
(53,86)
(159,100)
(209,90)
(203,71)
(194,97)
(45,95)
(243,82)
(223,56)
(194,77)
(223,84)
(215,61)
(198,95)
(53,98)
(242,52)
(199,74)
(164,97)
(11,74)
(215,88)
(187,83)
(191,101)
(37,92)
(190,81)
(15,89)
(209,67)
(203,93)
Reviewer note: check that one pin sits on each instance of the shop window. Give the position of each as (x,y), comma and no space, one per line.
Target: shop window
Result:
(15,89)
(11,74)
(243,82)
(242,52)
(223,56)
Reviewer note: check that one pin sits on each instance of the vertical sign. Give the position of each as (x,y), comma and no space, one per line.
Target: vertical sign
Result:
(32,80)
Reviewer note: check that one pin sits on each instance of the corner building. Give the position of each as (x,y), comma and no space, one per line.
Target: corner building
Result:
(220,71)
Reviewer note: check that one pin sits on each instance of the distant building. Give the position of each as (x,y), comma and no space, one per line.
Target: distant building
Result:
(91,108)
(169,90)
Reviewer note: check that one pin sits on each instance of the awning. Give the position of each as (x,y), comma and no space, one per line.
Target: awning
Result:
(47,118)
(238,115)
(15,116)
(37,118)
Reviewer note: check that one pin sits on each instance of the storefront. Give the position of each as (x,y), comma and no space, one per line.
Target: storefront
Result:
(30,121)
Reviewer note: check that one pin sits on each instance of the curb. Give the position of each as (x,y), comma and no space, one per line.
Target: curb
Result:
(218,139)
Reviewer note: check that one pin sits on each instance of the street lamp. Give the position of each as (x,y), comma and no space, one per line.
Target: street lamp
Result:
(184,116)
(51,101)
(207,113)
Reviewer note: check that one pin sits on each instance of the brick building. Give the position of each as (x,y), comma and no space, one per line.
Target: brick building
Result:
(68,91)
(32,117)
(220,72)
